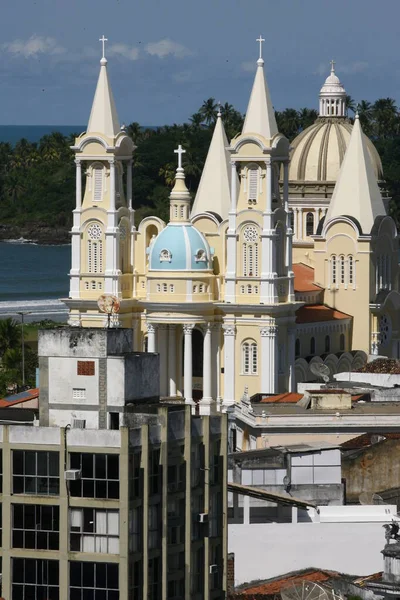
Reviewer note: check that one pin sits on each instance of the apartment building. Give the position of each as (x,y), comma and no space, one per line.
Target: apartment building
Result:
(101,507)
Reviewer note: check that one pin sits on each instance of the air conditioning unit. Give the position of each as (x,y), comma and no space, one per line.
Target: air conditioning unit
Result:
(73,474)
(213,569)
(78,423)
(202,517)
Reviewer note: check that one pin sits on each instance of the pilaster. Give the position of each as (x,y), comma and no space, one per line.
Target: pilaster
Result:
(229,330)
(269,358)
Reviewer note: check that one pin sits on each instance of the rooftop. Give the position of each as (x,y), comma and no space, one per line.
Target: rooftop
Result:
(19,398)
(304,279)
(317,313)
(274,585)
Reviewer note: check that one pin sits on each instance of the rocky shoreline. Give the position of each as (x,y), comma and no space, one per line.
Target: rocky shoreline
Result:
(35,233)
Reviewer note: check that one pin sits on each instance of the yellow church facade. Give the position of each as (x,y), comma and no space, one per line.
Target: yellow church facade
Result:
(214,291)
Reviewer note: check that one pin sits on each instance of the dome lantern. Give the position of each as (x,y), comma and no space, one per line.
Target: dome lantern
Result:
(332,97)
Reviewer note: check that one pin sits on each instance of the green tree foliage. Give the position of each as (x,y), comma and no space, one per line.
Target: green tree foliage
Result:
(37,181)
(11,358)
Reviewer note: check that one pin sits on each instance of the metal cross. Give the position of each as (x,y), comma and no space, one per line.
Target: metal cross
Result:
(179,152)
(103,40)
(260,40)
(333,63)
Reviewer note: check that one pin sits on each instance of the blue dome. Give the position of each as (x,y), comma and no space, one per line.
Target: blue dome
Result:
(180,248)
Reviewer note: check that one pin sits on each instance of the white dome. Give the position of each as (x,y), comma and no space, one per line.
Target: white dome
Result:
(318,152)
(332,97)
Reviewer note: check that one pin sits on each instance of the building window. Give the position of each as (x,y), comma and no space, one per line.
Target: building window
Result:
(95,256)
(78,394)
(242,289)
(197,571)
(333,269)
(297,348)
(253,175)
(165,256)
(98,184)
(201,256)
(94,530)
(327,343)
(154,578)
(201,288)
(250,251)
(280,250)
(86,285)
(135,529)
(135,476)
(154,472)
(35,526)
(35,579)
(171,288)
(36,472)
(158,287)
(342,343)
(165,288)
(99,475)
(136,580)
(97,581)
(309,224)
(291,219)
(312,345)
(351,269)
(342,269)
(155,525)
(249,358)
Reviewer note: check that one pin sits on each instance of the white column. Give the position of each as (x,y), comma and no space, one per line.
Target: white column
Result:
(188,367)
(207,357)
(129,184)
(291,340)
(301,224)
(286,188)
(75,270)
(295,223)
(216,361)
(112,184)
(269,359)
(172,359)
(229,363)
(162,348)
(151,337)
(268,245)
(230,278)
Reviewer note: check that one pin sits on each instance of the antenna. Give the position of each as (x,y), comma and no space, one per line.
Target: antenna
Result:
(308,590)
(108,304)
(320,370)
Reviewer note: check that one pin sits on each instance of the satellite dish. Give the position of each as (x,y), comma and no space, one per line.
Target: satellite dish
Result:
(108,304)
(320,370)
(377,499)
(308,590)
(366,498)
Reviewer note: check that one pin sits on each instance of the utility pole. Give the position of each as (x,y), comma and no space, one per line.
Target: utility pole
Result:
(22,314)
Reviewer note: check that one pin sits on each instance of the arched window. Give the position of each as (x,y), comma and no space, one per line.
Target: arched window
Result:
(250,251)
(280,249)
(342,269)
(312,345)
(253,175)
(310,224)
(333,269)
(327,343)
(297,348)
(165,255)
(95,249)
(98,172)
(342,342)
(175,210)
(351,269)
(201,255)
(249,358)
(291,219)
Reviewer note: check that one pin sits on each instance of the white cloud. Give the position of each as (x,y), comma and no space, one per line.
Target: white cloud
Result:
(349,69)
(124,50)
(248,66)
(167,47)
(34,46)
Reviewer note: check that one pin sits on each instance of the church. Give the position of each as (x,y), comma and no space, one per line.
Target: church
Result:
(285,258)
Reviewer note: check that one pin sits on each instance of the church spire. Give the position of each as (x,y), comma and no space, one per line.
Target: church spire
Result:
(214,192)
(180,196)
(103,117)
(260,115)
(357,193)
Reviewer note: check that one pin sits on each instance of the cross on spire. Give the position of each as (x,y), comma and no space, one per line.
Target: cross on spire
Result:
(260,40)
(180,151)
(333,63)
(103,40)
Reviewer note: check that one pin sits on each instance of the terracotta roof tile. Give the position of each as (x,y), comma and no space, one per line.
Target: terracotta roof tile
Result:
(287,398)
(368,439)
(19,398)
(275,585)
(316,313)
(304,279)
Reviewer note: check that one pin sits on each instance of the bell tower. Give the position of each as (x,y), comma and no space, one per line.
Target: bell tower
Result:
(103,229)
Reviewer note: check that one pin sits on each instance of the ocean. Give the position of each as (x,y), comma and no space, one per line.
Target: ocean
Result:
(33,133)
(33,278)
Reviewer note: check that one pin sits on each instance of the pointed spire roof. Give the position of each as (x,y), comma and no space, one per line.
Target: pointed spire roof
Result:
(103,117)
(357,193)
(260,115)
(214,191)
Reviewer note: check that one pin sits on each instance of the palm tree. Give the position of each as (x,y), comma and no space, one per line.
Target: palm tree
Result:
(196,120)
(14,187)
(366,114)
(289,123)
(134,131)
(209,110)
(307,117)
(386,117)
(10,335)
(350,104)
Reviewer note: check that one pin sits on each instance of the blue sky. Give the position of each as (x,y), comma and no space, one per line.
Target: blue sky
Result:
(167,56)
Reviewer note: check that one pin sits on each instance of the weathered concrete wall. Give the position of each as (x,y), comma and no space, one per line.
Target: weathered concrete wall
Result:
(84,342)
(373,469)
(142,376)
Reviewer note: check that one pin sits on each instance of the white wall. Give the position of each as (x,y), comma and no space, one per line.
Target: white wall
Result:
(63,417)
(115,381)
(271,549)
(63,378)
